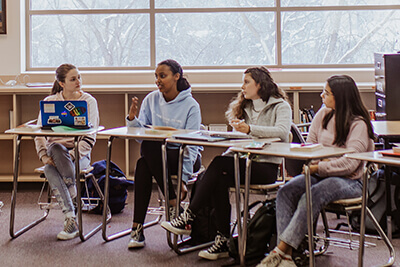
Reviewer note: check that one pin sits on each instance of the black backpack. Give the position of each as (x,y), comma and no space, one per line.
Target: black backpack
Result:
(261,233)
(377,203)
(117,188)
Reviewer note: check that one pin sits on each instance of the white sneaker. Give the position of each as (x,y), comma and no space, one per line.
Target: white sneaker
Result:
(181,225)
(218,250)
(70,229)
(287,262)
(272,260)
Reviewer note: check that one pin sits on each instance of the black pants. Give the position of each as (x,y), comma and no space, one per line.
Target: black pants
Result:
(149,166)
(213,188)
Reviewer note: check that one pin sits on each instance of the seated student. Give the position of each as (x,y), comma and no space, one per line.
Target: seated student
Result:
(172,105)
(261,110)
(58,153)
(343,122)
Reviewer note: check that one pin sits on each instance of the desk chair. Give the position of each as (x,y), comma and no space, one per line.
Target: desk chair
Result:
(349,205)
(86,204)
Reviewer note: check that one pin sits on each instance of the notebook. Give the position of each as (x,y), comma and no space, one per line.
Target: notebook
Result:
(71,113)
(211,136)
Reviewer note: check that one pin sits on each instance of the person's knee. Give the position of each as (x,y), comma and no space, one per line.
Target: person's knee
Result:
(55,149)
(47,169)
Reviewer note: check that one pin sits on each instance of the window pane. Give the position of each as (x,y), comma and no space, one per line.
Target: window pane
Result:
(216,39)
(87,4)
(286,3)
(338,37)
(107,40)
(212,3)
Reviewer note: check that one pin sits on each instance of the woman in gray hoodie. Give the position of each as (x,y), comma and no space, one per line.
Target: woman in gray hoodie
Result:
(260,110)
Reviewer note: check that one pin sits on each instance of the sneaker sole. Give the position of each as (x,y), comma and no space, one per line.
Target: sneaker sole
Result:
(135,244)
(167,226)
(205,255)
(67,237)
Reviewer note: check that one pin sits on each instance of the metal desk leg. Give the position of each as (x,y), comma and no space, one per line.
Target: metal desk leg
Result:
(237,196)
(245,206)
(175,244)
(363,211)
(366,211)
(82,236)
(106,210)
(310,221)
(14,197)
(388,182)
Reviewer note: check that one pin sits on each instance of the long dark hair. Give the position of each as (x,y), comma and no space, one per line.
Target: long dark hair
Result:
(348,107)
(268,88)
(61,74)
(175,67)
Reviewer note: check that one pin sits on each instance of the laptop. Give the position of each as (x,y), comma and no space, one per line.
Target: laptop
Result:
(71,113)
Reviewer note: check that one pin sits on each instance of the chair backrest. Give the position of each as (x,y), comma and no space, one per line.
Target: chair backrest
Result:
(297,136)
(293,166)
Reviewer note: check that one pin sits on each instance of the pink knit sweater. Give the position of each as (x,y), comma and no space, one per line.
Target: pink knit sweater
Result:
(357,139)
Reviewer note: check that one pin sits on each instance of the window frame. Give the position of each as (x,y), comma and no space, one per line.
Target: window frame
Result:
(152,11)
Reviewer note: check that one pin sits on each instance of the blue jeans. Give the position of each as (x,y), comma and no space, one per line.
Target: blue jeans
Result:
(61,177)
(291,207)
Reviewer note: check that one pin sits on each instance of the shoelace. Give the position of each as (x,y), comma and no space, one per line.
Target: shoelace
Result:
(172,212)
(136,233)
(217,244)
(70,227)
(181,219)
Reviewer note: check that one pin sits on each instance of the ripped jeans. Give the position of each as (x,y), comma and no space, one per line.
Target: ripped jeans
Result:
(61,177)
(291,208)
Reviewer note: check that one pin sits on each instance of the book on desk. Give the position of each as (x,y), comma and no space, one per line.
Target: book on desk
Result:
(305,147)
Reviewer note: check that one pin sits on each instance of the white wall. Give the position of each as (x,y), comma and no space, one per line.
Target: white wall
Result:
(10,44)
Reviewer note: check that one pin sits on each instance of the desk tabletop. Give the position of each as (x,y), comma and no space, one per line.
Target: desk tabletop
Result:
(386,128)
(376,157)
(37,131)
(283,150)
(140,133)
(223,143)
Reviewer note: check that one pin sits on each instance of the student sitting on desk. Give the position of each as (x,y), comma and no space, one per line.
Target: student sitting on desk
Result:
(172,105)
(58,153)
(261,110)
(344,122)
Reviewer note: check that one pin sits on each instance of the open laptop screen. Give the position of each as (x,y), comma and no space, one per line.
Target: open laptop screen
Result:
(72,113)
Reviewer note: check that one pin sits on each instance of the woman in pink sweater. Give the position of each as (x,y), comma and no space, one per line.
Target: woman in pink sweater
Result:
(344,122)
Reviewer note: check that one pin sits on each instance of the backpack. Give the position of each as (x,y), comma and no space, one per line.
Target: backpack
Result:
(377,203)
(118,185)
(261,233)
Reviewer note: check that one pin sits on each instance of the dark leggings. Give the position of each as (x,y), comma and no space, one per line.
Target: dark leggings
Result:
(149,166)
(213,188)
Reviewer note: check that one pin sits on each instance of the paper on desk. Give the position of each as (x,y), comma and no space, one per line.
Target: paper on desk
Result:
(62,128)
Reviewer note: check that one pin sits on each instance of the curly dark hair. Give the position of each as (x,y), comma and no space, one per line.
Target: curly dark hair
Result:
(268,88)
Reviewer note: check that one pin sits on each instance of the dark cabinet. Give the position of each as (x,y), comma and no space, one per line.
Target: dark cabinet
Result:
(387,83)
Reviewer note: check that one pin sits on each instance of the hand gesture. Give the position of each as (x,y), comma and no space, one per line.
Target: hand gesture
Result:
(133,108)
(47,160)
(240,126)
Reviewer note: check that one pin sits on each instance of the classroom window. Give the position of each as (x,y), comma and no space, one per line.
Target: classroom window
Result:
(126,34)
